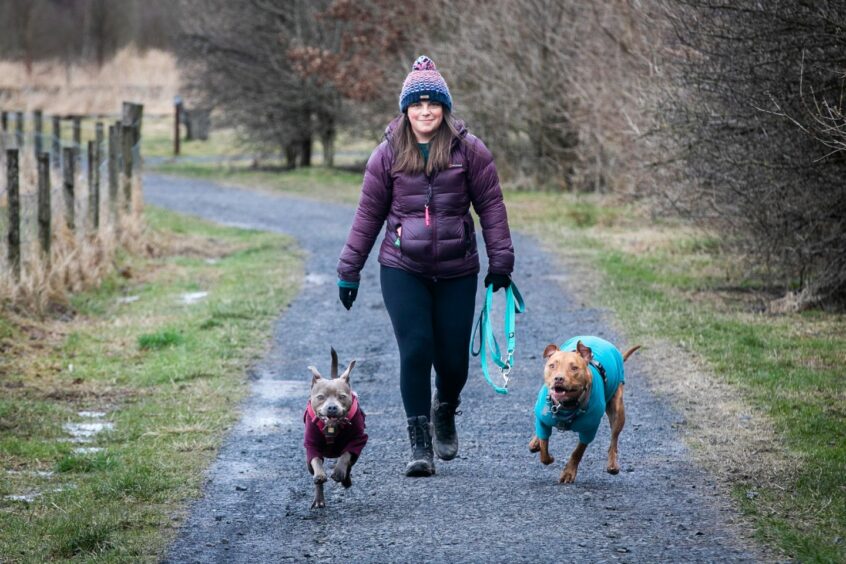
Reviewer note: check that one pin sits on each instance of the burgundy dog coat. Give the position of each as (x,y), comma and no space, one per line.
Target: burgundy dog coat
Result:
(349,437)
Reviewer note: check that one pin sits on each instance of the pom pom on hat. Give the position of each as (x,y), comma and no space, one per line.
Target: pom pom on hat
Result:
(424,82)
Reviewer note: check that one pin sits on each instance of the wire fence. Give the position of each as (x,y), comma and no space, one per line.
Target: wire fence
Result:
(76,179)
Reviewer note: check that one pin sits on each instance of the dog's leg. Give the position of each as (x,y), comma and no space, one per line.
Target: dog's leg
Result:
(341,473)
(534,444)
(568,474)
(616,418)
(319,480)
(545,458)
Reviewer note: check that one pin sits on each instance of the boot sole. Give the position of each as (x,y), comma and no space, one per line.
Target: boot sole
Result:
(445,455)
(419,469)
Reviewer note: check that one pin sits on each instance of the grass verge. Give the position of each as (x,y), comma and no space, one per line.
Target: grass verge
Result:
(153,363)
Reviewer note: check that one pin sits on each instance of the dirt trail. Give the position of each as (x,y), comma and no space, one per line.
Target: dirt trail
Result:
(496,502)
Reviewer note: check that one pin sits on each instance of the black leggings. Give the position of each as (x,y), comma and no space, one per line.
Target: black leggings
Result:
(432,322)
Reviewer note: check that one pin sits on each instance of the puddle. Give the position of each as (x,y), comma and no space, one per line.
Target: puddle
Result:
(278,389)
(193,297)
(128,299)
(26,498)
(39,473)
(32,496)
(87,450)
(317,279)
(267,418)
(92,414)
(84,432)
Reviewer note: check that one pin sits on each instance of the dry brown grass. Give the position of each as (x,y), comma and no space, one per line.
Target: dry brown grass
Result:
(149,78)
(79,260)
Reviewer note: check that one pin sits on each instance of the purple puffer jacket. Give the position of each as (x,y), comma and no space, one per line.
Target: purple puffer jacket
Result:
(447,247)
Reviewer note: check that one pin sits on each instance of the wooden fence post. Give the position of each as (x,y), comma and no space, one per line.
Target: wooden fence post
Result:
(69,173)
(19,129)
(98,159)
(57,141)
(77,132)
(177,110)
(93,188)
(38,131)
(133,116)
(14,202)
(44,210)
(113,174)
(127,137)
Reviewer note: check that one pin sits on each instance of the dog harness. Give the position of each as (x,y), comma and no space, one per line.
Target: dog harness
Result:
(607,368)
(331,441)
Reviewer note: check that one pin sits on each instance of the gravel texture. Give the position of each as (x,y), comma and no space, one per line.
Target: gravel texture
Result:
(495,502)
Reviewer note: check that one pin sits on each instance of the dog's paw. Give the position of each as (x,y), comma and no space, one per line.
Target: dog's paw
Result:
(548,460)
(347,482)
(318,503)
(568,476)
(534,445)
(613,470)
(320,478)
(340,475)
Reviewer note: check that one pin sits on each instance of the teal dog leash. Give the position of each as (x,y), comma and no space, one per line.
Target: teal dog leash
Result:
(487,340)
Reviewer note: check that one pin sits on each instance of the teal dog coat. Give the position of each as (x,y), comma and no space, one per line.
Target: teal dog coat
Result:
(583,420)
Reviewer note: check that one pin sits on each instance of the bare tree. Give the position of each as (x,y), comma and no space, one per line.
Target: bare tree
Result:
(238,58)
(553,86)
(758,118)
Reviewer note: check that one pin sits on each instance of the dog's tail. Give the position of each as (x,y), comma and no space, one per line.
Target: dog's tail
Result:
(629,352)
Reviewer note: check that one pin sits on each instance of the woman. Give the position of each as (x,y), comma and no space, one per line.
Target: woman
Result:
(422,179)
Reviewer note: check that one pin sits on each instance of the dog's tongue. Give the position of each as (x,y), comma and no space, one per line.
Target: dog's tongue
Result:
(564,396)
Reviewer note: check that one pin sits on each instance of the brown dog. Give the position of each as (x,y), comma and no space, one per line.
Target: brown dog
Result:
(583,379)
(334,428)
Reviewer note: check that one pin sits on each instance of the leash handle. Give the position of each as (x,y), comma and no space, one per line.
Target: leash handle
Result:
(487,339)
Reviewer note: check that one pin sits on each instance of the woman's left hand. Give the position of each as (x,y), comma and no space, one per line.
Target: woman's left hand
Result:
(498,280)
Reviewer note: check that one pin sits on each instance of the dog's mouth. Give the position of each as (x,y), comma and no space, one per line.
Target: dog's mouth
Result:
(562,394)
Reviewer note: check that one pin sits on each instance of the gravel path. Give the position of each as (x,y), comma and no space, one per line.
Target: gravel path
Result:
(496,502)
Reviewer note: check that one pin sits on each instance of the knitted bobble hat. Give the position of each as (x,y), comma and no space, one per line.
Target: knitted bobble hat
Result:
(424,82)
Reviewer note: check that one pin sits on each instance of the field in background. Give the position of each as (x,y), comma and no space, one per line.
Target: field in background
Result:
(762,393)
(148,78)
(109,414)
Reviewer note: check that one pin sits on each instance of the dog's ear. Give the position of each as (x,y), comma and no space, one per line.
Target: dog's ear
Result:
(549,351)
(346,375)
(315,375)
(334,372)
(584,351)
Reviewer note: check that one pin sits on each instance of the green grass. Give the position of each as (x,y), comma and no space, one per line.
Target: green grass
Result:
(168,375)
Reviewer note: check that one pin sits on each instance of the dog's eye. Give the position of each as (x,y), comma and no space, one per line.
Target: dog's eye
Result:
(343,396)
(320,397)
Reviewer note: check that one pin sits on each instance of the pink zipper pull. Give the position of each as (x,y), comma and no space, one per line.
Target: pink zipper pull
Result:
(427,215)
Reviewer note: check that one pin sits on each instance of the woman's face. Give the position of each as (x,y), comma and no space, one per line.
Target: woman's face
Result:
(425,119)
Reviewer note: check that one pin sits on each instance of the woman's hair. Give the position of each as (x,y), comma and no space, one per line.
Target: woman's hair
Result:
(407,157)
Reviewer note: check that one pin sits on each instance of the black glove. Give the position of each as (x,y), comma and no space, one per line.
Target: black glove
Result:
(347,296)
(498,281)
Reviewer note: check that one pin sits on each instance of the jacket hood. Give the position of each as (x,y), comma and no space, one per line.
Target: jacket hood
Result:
(394,124)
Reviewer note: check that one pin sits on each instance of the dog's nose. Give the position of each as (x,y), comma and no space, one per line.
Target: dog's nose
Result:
(332,410)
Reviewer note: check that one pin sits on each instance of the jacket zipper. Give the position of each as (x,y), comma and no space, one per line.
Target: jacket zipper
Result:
(431,223)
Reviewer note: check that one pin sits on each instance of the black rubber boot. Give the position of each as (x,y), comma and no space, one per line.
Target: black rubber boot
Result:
(443,424)
(422,458)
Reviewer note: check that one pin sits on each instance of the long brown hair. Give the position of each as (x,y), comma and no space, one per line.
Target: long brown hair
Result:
(407,157)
